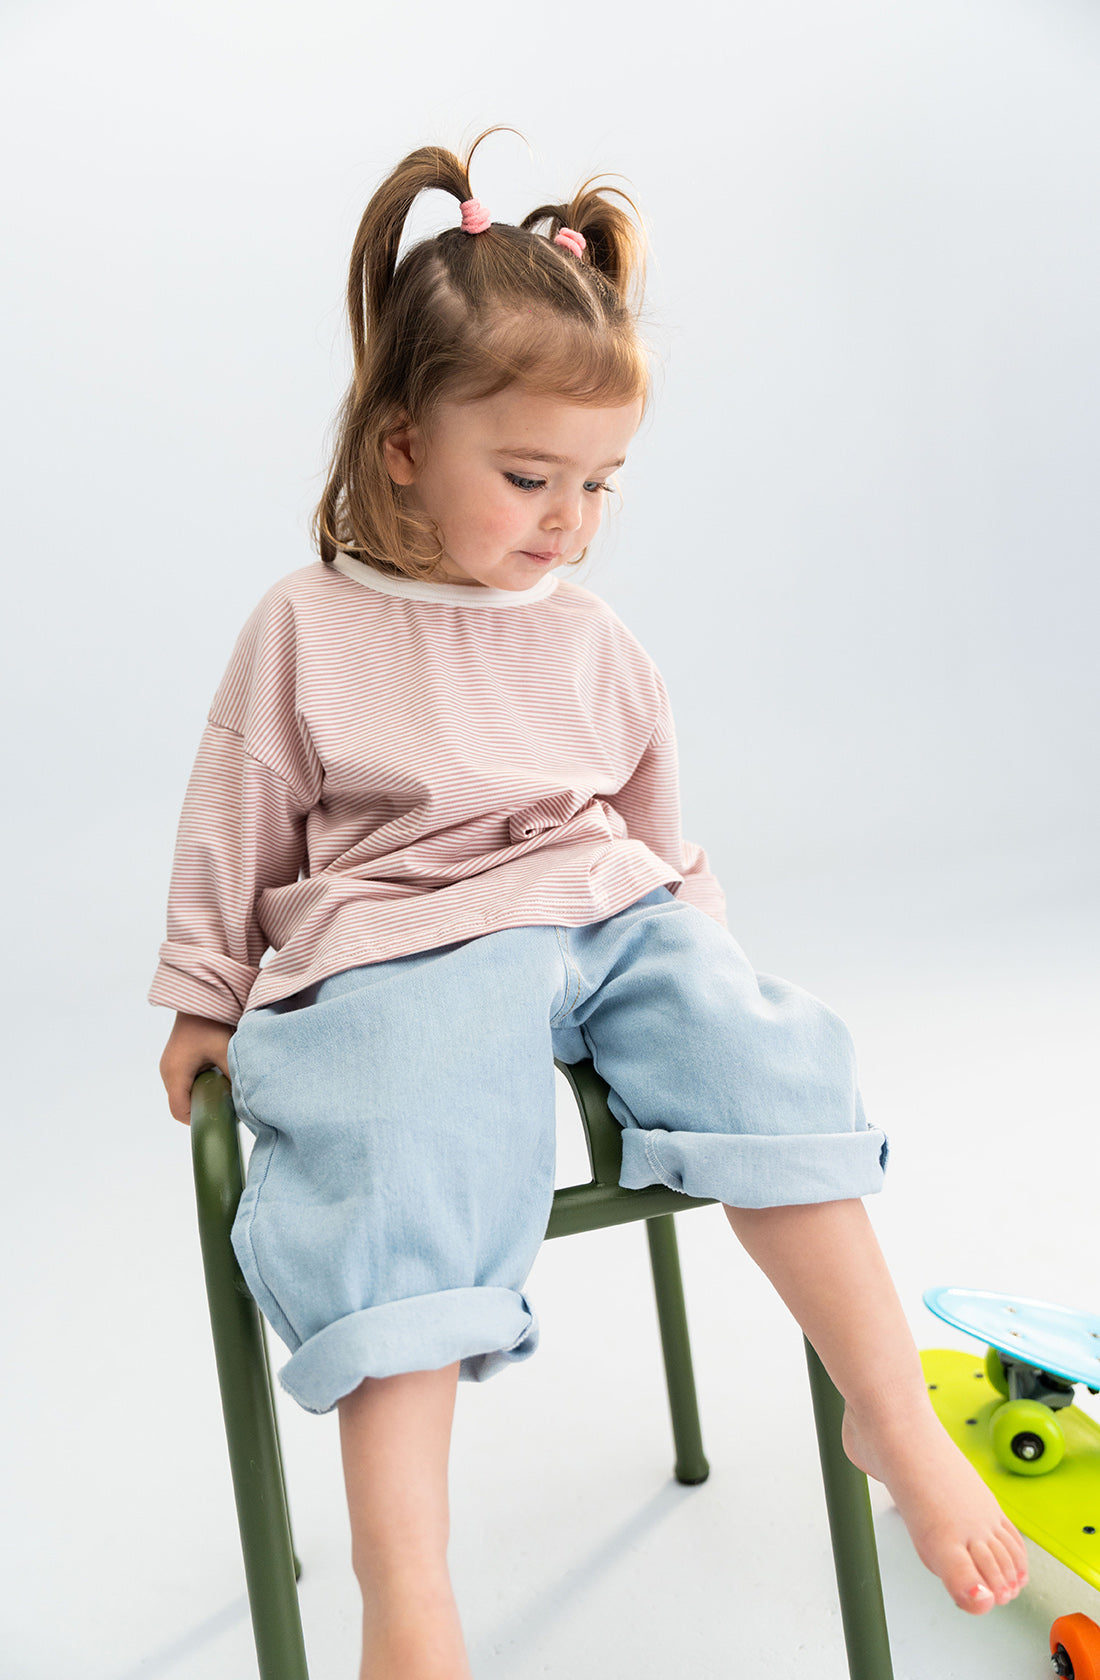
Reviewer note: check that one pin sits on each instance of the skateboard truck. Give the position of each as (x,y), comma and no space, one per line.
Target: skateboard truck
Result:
(1028,1382)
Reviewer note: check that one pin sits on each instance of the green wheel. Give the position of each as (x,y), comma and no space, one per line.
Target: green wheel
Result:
(1026,1438)
(995,1371)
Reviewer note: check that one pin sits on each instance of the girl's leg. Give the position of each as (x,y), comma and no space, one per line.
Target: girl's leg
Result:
(395,1435)
(825,1262)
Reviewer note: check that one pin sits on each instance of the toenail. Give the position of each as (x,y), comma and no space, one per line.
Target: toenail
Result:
(980,1591)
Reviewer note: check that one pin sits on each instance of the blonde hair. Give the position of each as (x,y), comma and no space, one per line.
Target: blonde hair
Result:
(463,316)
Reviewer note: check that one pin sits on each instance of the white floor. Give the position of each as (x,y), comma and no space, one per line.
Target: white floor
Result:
(973,1001)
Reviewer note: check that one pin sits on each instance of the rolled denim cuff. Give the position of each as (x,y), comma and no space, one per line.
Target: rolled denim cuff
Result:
(756,1171)
(486,1328)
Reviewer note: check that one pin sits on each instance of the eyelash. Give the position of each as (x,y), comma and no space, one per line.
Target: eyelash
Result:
(528,484)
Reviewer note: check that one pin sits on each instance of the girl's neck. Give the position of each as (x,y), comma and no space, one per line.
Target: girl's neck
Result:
(454,594)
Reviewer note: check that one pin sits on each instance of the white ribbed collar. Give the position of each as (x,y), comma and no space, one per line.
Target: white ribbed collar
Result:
(454,594)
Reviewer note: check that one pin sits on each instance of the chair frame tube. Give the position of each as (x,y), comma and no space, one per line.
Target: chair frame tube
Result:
(851,1525)
(244,1377)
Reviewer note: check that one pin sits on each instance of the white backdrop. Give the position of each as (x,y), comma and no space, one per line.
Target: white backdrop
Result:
(860,536)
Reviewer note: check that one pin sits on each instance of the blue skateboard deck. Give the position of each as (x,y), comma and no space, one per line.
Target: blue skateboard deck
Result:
(1056,1339)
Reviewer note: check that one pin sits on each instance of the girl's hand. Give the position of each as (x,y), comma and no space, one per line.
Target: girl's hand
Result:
(193,1044)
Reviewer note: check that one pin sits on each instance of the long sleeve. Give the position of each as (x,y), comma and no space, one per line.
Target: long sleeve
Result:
(649,804)
(242,830)
(243,826)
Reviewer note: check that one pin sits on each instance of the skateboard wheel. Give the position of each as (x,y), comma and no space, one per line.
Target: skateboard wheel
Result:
(1075,1648)
(1026,1438)
(995,1371)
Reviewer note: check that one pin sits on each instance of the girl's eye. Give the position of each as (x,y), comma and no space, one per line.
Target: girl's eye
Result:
(593,485)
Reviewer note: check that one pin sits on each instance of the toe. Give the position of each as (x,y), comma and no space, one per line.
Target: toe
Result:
(995,1570)
(1010,1557)
(965,1580)
(1013,1542)
(976,1600)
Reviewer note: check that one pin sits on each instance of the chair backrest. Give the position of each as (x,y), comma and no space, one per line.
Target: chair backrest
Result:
(587,1207)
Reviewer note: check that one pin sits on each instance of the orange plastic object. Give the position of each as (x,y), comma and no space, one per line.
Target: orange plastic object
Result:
(1079,1638)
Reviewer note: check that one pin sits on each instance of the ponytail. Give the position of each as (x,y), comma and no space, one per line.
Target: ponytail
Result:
(613,241)
(476,309)
(378,237)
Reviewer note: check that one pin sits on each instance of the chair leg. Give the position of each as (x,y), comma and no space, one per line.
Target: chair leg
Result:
(691,1463)
(247,1401)
(853,1533)
(279,1446)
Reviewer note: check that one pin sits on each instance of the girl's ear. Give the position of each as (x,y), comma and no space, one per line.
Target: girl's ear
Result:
(402,452)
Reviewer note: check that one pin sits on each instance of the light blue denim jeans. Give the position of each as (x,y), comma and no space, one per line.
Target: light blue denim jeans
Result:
(404,1120)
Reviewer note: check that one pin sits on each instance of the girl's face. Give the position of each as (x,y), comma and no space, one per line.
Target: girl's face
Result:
(516,483)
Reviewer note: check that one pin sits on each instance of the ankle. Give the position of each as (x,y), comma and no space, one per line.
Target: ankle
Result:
(388,1582)
(895,1405)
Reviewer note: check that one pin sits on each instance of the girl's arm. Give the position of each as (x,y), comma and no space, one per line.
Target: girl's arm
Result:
(242,831)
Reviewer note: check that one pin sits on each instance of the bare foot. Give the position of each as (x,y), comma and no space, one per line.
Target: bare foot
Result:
(959,1531)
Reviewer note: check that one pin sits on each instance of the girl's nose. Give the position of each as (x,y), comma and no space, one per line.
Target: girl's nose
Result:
(566,513)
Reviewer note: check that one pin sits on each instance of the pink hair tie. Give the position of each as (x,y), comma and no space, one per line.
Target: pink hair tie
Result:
(475,217)
(572,241)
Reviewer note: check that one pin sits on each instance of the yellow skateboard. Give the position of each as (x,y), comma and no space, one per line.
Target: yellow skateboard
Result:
(1012,1417)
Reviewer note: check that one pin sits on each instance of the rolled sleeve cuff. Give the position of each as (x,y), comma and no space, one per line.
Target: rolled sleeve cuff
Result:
(199,982)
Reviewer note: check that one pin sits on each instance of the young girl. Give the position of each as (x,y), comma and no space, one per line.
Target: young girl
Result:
(438,789)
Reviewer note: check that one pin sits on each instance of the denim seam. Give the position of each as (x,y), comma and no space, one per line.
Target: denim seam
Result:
(526,1331)
(572,978)
(650,1146)
(247,1226)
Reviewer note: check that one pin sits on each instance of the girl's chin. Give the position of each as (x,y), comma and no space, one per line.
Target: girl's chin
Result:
(515,572)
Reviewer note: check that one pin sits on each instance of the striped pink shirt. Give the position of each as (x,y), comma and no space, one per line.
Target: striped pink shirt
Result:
(391,765)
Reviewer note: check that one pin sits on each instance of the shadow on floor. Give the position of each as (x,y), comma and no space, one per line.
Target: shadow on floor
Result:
(582,1579)
(189,1643)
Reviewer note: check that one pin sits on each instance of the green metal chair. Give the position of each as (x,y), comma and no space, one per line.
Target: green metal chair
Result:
(248,1404)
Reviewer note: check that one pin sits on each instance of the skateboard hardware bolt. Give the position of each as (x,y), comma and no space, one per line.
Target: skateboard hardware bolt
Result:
(1060,1663)
(1088,1529)
(1028,1447)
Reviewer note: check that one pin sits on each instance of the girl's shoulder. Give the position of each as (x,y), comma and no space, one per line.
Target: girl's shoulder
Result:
(293,618)
(595,608)
(304,599)
(302,587)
